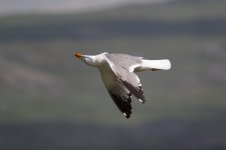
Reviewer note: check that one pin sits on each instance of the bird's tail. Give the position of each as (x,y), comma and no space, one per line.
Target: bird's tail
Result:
(163,64)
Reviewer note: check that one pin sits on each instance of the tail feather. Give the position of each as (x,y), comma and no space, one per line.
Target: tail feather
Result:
(163,64)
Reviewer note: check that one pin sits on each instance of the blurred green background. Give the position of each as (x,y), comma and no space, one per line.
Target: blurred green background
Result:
(51,100)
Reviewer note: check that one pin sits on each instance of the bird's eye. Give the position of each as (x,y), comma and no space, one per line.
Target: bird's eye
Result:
(84,58)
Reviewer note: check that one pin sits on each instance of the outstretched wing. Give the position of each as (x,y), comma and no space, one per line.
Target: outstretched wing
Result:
(118,92)
(122,98)
(127,62)
(121,68)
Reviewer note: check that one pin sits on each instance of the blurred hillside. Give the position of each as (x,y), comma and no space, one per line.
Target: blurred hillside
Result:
(41,81)
(37,65)
(10,7)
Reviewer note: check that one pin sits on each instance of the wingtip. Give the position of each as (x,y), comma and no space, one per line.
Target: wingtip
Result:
(126,115)
(142,101)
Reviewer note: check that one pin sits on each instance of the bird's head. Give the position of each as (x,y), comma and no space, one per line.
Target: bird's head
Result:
(88,59)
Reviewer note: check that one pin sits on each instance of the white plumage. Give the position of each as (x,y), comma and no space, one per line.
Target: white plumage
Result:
(163,64)
(118,75)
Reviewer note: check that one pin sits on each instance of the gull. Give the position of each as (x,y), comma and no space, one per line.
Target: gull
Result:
(118,75)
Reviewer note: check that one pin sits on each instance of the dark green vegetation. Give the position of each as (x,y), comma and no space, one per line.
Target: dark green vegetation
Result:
(42,82)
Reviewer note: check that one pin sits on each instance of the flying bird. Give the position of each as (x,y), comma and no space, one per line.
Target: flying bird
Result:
(118,74)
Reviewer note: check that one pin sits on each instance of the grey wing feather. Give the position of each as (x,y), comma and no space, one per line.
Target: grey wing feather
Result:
(124,60)
(129,79)
(118,92)
(132,82)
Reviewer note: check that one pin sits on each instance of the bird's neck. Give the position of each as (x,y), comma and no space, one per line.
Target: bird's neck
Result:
(95,60)
(91,61)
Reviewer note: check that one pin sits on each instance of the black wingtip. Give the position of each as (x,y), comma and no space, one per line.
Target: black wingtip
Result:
(126,115)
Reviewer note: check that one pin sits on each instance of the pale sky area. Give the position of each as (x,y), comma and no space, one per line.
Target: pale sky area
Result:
(63,6)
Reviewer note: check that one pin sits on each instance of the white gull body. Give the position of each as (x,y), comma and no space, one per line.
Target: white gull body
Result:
(118,75)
